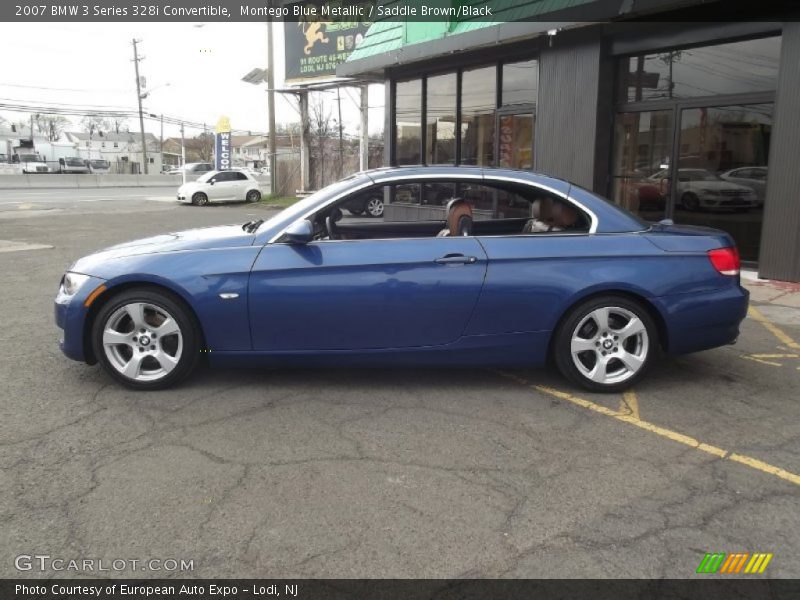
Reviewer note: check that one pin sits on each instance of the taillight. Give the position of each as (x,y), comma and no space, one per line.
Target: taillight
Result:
(725,260)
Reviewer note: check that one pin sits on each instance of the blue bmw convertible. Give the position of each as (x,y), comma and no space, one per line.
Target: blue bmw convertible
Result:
(466,267)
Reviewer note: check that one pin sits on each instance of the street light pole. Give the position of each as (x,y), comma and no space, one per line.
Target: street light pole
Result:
(136,60)
(271,108)
(183,155)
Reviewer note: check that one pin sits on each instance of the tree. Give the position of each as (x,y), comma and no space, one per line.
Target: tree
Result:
(51,125)
(95,125)
(321,125)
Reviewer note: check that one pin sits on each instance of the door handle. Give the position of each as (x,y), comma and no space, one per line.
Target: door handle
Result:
(456,259)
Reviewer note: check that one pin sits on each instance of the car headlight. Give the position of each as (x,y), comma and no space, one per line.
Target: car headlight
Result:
(72,282)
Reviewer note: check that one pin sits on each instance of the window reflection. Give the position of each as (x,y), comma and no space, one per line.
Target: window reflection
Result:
(478,104)
(408,122)
(642,149)
(440,139)
(722,170)
(740,67)
(520,82)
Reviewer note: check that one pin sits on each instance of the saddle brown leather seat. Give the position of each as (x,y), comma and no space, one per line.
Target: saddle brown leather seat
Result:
(459,219)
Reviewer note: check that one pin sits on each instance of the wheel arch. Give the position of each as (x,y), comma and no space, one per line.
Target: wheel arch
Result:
(635,295)
(112,291)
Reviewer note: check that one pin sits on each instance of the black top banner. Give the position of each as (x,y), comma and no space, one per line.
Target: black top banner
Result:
(735,588)
(364,11)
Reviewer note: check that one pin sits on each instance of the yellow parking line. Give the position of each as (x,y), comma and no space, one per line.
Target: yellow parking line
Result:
(775,355)
(629,404)
(660,431)
(763,362)
(782,336)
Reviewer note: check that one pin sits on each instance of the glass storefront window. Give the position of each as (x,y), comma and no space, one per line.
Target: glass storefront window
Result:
(735,68)
(520,83)
(515,142)
(478,106)
(642,150)
(440,137)
(408,122)
(722,171)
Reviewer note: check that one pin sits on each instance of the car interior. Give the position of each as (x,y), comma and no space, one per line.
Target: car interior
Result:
(475,212)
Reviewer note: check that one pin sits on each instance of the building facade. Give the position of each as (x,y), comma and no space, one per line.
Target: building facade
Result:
(673,116)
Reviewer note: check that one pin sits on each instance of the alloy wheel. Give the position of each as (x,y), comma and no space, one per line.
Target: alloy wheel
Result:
(609,345)
(142,341)
(375,207)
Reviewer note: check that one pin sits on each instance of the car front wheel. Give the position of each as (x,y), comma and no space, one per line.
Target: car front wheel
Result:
(374,207)
(606,344)
(146,339)
(199,199)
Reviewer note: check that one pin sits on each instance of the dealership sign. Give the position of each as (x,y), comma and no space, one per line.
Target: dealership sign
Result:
(222,144)
(316,44)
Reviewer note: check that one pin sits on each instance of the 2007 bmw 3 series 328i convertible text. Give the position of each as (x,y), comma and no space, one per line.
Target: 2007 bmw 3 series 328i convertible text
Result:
(467,266)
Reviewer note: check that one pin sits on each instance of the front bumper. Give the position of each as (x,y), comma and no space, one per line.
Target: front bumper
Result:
(70,315)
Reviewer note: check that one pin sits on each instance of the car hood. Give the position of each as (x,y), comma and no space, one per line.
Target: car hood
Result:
(224,236)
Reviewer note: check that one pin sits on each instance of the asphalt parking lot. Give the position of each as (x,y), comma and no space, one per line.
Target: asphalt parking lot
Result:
(382,473)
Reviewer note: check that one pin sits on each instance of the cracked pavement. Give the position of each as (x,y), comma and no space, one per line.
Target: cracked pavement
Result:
(375,473)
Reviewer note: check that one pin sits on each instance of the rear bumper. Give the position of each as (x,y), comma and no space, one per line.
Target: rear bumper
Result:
(700,321)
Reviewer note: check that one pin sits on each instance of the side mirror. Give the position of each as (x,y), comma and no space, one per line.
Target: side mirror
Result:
(300,232)
(212,181)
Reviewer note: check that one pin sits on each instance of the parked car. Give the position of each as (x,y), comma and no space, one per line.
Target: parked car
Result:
(72,164)
(99,166)
(753,177)
(219,186)
(597,289)
(369,204)
(701,189)
(197,168)
(31,163)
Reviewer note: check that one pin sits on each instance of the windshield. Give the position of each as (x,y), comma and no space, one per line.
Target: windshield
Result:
(74,162)
(289,214)
(30,158)
(100,164)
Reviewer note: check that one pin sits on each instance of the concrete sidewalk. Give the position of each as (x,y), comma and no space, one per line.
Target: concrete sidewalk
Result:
(766,291)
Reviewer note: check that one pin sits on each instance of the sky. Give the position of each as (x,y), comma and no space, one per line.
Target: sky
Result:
(91,64)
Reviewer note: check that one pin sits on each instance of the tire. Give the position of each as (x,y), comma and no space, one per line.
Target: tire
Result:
(580,346)
(199,199)
(166,356)
(690,201)
(252,196)
(374,207)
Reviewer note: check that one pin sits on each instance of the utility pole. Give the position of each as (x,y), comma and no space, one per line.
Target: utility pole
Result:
(183,155)
(364,145)
(161,142)
(136,60)
(341,151)
(273,179)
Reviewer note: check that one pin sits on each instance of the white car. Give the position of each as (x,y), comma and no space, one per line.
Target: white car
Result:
(752,177)
(700,189)
(220,186)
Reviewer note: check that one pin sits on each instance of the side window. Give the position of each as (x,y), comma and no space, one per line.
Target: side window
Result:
(241,176)
(223,177)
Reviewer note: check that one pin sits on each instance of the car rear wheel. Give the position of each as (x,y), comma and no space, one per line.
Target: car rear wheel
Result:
(199,199)
(690,201)
(606,344)
(253,196)
(146,339)
(374,207)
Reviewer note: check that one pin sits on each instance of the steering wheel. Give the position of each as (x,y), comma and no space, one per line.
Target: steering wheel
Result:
(330,223)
